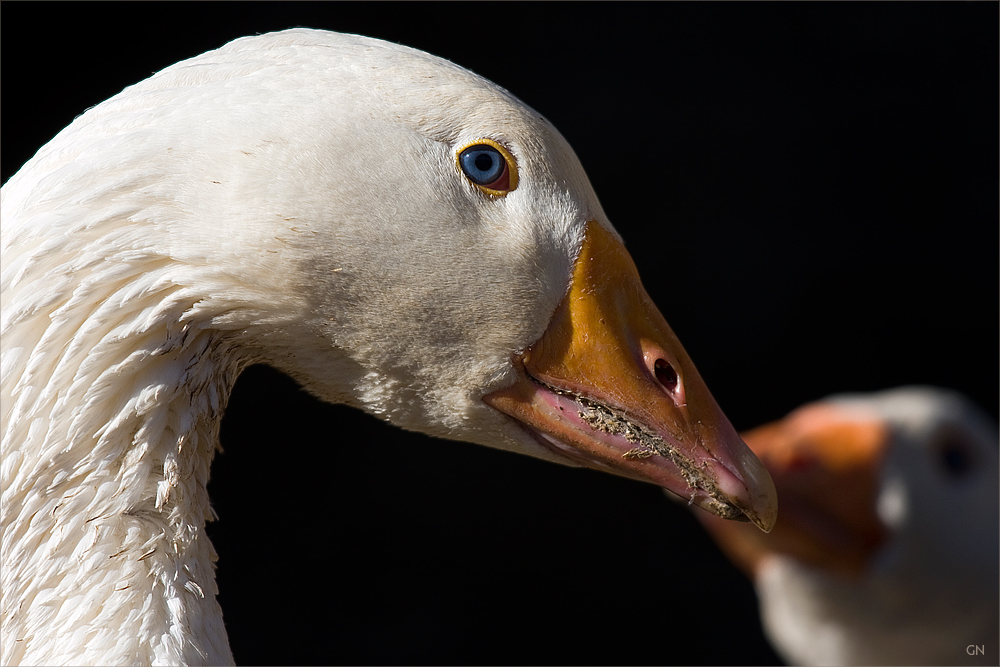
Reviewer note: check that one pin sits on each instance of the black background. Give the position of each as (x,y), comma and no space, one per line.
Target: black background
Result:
(810,193)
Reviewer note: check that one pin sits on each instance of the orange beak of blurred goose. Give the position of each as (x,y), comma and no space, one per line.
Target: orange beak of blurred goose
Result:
(826,459)
(609,386)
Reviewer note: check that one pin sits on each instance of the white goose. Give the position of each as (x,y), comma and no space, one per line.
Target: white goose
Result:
(886,551)
(391,230)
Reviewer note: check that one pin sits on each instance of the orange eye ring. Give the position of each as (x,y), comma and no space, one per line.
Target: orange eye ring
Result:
(489,166)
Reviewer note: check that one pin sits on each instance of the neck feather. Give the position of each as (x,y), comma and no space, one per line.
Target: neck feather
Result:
(113,398)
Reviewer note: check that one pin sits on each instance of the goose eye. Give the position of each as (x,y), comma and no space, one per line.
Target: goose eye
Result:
(954,454)
(484,166)
(489,166)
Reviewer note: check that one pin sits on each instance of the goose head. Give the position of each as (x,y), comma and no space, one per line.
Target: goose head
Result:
(886,549)
(391,230)
(480,200)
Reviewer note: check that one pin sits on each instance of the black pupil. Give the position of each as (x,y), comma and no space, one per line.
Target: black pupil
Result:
(956,460)
(484,162)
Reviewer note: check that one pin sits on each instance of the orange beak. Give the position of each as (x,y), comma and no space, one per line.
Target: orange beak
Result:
(609,386)
(825,460)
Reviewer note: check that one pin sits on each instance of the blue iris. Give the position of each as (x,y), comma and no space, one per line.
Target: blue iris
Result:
(482,164)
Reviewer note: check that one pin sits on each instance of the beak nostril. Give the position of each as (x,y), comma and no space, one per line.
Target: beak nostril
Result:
(666,375)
